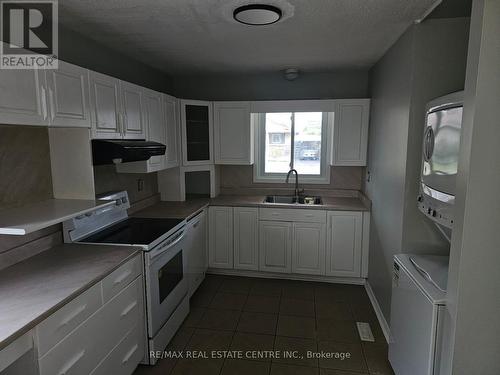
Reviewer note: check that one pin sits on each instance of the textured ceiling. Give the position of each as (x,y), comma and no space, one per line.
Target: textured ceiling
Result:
(199,36)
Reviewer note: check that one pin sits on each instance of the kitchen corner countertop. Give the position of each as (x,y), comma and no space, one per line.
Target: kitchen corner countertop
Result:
(187,209)
(33,289)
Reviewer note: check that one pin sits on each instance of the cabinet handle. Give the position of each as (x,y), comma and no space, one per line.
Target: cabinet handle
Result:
(72,316)
(44,103)
(128,309)
(122,277)
(72,362)
(52,104)
(129,354)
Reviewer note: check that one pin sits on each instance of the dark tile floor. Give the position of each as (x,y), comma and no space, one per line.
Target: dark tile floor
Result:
(248,314)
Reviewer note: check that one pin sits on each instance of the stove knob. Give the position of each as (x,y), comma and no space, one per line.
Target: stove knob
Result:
(434,213)
(118,202)
(124,200)
(420,198)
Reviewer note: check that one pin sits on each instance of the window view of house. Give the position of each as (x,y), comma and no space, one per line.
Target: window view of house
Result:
(293,140)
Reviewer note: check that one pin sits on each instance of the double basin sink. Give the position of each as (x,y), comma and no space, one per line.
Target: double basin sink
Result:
(290,199)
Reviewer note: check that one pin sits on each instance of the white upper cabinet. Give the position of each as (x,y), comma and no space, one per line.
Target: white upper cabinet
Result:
(171,110)
(68,96)
(22,97)
(233,133)
(197,132)
(308,250)
(246,238)
(105,106)
(132,111)
(156,129)
(344,243)
(350,132)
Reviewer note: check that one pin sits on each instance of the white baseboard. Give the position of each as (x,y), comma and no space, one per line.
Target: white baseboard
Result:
(287,276)
(380,316)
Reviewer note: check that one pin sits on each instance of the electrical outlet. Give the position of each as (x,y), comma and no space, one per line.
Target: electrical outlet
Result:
(140,184)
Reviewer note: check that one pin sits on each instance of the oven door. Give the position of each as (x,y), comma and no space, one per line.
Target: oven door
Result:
(166,283)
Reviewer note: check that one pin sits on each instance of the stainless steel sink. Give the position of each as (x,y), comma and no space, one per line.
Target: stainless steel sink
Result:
(290,199)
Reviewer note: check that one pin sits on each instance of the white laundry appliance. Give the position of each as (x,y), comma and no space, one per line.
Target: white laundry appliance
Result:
(417,307)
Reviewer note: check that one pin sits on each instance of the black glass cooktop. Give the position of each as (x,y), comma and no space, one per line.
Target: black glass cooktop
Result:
(134,230)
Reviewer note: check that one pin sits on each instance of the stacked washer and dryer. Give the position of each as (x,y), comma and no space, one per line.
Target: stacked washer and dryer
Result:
(419,281)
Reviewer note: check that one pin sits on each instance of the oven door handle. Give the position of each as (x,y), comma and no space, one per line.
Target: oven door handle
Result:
(161,249)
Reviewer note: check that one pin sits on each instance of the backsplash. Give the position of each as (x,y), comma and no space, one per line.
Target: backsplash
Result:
(237,179)
(25,175)
(107,179)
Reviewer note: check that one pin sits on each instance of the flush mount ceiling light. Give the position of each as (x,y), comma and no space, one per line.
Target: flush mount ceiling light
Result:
(257,14)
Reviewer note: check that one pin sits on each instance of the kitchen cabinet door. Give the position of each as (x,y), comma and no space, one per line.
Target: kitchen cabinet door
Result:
(343,246)
(275,246)
(197,132)
(105,106)
(233,133)
(246,238)
(171,109)
(308,249)
(132,106)
(220,235)
(350,132)
(197,250)
(22,97)
(156,129)
(68,96)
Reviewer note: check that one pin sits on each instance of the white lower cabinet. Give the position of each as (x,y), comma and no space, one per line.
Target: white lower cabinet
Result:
(308,249)
(295,241)
(246,238)
(344,243)
(275,246)
(220,249)
(109,340)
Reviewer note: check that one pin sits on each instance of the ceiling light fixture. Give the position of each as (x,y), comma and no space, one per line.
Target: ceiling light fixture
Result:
(257,14)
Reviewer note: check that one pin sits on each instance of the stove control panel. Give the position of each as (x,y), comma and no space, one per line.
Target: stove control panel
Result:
(120,198)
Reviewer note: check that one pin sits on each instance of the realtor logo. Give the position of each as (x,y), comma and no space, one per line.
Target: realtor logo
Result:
(29,34)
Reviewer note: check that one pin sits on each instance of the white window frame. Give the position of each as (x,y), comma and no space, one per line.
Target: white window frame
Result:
(259,174)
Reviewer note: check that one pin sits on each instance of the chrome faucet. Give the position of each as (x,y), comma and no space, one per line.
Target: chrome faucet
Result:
(297,190)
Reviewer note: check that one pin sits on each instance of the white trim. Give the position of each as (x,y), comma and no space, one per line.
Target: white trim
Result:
(276,275)
(378,311)
(428,11)
(268,106)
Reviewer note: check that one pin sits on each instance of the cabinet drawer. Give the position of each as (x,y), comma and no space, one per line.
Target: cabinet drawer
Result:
(125,357)
(125,310)
(82,350)
(292,214)
(62,322)
(120,278)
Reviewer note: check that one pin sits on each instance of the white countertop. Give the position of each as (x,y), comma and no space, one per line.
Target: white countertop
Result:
(36,216)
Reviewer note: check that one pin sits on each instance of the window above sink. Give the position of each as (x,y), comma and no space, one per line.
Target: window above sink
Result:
(287,140)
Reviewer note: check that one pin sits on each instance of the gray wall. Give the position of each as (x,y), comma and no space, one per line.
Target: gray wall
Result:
(25,175)
(473,283)
(415,70)
(389,122)
(82,51)
(267,86)
(107,179)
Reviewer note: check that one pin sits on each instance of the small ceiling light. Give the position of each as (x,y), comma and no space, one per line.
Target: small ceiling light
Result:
(257,14)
